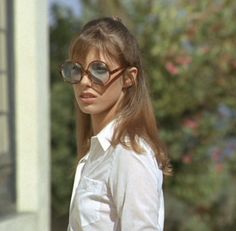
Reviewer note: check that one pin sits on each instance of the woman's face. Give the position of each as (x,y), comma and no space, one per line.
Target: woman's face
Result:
(96,100)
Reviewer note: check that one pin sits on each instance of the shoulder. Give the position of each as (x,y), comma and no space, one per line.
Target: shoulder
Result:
(129,162)
(124,154)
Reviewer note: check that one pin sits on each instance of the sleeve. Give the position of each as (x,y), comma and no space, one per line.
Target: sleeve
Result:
(136,188)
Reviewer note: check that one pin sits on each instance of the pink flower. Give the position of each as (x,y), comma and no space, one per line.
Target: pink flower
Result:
(187,159)
(205,50)
(190,123)
(219,167)
(216,155)
(184,60)
(171,68)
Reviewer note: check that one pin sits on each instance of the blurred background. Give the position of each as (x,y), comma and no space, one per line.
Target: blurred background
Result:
(189,54)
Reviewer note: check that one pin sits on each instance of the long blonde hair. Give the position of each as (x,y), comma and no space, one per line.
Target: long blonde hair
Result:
(136,115)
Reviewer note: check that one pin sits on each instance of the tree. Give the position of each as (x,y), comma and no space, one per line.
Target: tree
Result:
(189,54)
(188,50)
(63,27)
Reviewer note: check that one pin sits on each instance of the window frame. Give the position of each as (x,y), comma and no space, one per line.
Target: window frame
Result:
(7,30)
(11,91)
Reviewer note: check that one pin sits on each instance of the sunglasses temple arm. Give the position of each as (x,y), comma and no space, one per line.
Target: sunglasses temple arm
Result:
(117,69)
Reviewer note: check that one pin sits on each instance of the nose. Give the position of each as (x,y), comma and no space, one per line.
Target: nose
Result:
(85,80)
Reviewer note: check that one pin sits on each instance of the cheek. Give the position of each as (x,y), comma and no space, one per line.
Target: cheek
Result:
(76,93)
(112,95)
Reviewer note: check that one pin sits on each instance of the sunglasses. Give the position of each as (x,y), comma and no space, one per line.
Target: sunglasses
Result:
(97,71)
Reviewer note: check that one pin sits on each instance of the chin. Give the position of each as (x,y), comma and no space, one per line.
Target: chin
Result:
(88,110)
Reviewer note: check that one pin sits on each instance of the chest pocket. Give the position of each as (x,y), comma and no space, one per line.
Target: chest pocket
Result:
(89,195)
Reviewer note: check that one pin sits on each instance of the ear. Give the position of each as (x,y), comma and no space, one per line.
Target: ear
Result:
(130,77)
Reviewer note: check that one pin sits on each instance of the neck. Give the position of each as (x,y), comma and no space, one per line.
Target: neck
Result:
(99,122)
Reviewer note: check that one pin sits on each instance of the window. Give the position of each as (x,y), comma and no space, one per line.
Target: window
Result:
(7,165)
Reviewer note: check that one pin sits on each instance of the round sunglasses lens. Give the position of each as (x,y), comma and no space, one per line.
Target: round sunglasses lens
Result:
(71,72)
(99,72)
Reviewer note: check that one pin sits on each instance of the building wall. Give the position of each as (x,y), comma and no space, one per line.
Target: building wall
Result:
(32,128)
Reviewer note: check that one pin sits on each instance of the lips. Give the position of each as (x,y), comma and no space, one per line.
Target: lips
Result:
(87,98)
(87,95)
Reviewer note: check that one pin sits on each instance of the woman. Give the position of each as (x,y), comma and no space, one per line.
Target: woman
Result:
(118,181)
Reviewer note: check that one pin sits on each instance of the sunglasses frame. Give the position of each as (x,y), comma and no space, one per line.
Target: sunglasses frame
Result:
(89,74)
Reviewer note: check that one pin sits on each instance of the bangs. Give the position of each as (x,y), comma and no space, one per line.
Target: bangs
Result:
(81,46)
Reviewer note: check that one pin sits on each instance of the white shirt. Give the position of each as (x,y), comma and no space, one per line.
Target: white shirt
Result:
(116,189)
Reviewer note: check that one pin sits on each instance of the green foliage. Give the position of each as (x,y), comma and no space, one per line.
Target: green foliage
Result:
(190,61)
(63,28)
(189,56)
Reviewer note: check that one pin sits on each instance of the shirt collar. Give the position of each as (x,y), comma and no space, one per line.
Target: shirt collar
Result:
(104,137)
